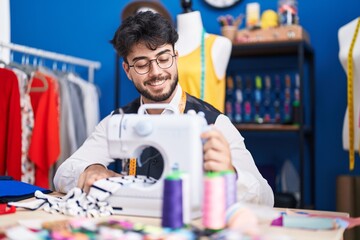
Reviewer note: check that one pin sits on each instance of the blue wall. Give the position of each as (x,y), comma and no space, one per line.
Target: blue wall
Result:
(83,28)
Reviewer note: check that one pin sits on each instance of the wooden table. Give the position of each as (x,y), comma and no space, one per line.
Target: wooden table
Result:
(22,215)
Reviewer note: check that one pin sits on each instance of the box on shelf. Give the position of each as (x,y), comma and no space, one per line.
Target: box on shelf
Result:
(281,33)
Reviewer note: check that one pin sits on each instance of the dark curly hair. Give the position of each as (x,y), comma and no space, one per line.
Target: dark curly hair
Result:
(148,27)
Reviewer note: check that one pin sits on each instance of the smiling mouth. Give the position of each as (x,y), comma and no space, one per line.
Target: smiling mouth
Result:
(156,82)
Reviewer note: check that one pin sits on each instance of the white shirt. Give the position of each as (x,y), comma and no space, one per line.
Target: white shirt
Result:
(251,186)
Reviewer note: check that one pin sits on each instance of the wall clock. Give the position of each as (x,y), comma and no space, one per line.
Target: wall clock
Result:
(222,3)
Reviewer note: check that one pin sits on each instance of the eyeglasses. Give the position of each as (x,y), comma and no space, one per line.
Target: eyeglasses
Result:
(164,61)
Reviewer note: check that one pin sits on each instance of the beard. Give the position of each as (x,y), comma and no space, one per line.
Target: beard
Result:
(158,97)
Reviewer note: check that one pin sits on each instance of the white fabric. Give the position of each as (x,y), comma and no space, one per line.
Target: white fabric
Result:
(345,35)
(75,203)
(5,29)
(78,203)
(252,187)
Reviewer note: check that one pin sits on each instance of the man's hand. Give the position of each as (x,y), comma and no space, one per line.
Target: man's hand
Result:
(92,174)
(217,156)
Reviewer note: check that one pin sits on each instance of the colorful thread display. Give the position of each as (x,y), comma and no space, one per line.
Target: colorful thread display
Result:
(172,208)
(264,98)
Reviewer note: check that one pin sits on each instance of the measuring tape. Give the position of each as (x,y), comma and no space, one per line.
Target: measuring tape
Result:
(350,98)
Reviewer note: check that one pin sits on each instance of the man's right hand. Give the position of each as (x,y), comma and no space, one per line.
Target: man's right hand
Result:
(92,174)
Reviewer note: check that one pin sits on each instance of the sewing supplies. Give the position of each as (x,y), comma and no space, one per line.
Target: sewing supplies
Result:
(288,12)
(229,94)
(350,98)
(269,19)
(252,15)
(132,167)
(230,188)
(203,65)
(229,25)
(239,99)
(172,211)
(267,100)
(214,202)
(258,98)
(127,136)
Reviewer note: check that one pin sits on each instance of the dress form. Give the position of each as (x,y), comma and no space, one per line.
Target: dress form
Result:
(190,27)
(345,36)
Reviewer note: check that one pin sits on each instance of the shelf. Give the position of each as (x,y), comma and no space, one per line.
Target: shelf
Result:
(253,49)
(266,127)
(300,56)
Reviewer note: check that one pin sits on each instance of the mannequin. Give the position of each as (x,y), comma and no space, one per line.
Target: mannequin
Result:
(345,35)
(190,28)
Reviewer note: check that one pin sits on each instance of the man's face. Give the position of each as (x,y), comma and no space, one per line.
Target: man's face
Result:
(159,84)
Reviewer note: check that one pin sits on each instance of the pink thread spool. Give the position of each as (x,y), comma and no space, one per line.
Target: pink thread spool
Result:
(214,201)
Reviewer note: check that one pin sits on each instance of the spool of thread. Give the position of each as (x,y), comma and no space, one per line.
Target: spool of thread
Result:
(230,188)
(214,201)
(172,207)
(186,198)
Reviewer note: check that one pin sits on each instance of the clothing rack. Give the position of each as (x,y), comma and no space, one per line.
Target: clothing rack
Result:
(91,65)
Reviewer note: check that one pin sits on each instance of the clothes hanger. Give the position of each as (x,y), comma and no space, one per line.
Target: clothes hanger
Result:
(42,78)
(3,64)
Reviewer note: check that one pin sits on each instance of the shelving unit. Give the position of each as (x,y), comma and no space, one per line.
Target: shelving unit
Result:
(304,56)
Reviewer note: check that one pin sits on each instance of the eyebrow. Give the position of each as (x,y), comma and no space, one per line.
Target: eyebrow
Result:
(159,53)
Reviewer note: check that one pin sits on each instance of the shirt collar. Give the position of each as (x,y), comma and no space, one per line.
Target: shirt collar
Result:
(174,103)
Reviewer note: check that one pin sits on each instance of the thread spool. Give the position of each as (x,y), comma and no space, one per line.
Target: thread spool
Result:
(186,198)
(172,208)
(214,201)
(230,188)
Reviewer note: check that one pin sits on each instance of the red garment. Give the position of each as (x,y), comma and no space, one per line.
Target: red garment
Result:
(44,148)
(10,125)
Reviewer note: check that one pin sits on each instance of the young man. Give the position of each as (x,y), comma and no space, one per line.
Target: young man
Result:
(146,41)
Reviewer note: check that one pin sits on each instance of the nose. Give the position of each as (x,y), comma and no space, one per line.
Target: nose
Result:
(154,68)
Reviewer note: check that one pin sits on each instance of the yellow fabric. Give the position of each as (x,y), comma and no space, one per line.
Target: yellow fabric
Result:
(189,67)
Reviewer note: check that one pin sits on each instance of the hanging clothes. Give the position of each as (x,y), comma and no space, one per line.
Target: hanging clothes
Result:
(44,148)
(27,125)
(189,69)
(90,102)
(10,125)
(5,28)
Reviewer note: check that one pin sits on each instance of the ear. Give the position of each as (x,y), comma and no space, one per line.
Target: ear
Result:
(126,69)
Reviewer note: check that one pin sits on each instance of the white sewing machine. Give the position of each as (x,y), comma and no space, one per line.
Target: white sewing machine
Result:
(177,138)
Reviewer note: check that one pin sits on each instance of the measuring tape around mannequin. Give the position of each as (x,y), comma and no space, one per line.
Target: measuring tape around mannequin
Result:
(350,98)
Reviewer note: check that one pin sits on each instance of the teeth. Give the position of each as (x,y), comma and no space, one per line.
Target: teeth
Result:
(156,83)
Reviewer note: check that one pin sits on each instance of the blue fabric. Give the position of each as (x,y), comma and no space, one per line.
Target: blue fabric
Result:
(13,190)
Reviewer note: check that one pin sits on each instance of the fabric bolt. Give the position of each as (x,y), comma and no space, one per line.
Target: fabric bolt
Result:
(189,67)
(10,125)
(254,188)
(45,143)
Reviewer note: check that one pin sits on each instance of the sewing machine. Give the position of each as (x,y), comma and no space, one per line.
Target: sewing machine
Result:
(177,138)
